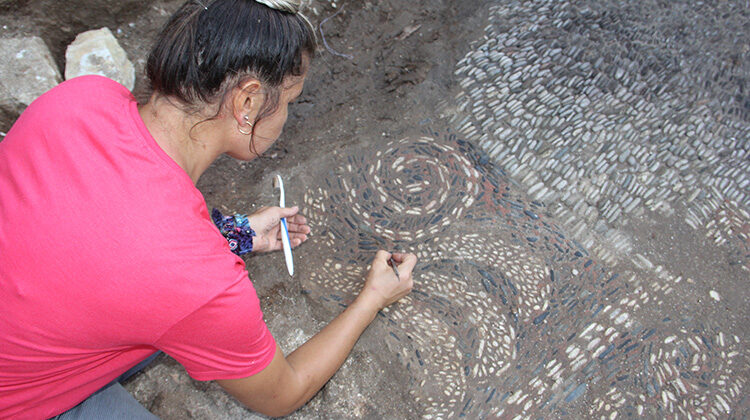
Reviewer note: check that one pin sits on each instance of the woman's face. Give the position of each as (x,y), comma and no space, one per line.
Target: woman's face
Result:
(269,128)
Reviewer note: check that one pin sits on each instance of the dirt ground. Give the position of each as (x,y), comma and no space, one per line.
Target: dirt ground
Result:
(399,69)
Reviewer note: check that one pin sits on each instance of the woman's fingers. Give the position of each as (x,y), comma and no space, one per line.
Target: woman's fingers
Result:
(381,257)
(380,285)
(287,212)
(398,257)
(405,261)
(297,218)
(297,228)
(295,222)
(296,240)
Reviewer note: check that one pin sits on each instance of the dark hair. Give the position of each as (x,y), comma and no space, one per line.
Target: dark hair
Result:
(208,47)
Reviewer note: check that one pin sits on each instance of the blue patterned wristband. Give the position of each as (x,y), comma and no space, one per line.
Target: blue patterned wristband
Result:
(236,229)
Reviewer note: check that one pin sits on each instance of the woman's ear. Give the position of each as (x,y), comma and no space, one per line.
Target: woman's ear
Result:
(246,101)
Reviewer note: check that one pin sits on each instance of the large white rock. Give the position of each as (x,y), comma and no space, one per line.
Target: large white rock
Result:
(98,52)
(27,70)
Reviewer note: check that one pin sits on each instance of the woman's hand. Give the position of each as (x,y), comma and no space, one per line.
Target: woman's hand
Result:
(266,223)
(382,286)
(288,382)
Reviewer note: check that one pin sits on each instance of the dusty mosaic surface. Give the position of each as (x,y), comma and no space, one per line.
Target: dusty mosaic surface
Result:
(509,317)
(606,109)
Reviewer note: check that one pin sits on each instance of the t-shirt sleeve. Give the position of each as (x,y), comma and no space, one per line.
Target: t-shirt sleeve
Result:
(224,339)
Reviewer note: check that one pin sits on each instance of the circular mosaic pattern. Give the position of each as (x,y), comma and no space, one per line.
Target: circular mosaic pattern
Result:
(471,286)
(694,373)
(509,318)
(526,280)
(408,191)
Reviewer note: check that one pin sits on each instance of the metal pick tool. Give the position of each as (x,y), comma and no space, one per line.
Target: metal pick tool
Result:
(392,263)
(278,183)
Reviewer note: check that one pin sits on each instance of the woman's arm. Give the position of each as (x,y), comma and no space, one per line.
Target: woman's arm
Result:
(289,382)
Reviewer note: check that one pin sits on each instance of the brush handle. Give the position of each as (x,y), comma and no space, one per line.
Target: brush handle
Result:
(285,243)
(287,247)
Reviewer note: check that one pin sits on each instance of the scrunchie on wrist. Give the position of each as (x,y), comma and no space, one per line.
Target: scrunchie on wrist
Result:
(236,229)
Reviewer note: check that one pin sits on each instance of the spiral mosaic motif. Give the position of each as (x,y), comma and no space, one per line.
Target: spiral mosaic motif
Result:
(433,189)
(408,191)
(508,317)
(686,370)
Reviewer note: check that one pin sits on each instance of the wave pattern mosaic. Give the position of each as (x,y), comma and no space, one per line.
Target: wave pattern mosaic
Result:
(509,317)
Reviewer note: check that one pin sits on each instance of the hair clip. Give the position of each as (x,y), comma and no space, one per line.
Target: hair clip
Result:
(282,5)
(201,3)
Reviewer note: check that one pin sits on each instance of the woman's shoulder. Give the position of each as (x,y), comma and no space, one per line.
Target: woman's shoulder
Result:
(82,101)
(87,89)
(91,91)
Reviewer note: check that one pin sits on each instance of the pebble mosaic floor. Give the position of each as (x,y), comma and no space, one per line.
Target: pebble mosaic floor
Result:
(597,112)
(604,109)
(509,317)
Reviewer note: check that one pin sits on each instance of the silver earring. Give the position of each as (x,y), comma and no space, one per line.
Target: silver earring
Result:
(247,121)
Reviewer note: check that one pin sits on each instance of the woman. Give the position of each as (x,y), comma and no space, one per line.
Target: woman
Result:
(107,250)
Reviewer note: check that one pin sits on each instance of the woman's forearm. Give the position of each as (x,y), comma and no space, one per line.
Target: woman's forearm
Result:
(320,357)
(289,382)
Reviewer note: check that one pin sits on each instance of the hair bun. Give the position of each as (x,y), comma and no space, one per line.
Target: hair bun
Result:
(289,6)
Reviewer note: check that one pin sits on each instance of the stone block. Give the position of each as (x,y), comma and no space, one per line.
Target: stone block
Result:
(98,52)
(27,71)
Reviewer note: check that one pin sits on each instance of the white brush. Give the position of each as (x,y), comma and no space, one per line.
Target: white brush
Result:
(278,183)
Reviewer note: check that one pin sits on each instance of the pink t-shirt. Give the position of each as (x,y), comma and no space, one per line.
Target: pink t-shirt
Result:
(108,253)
